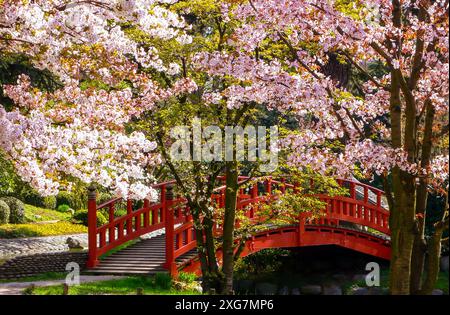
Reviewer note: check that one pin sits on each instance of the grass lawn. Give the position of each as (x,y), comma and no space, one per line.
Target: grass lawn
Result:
(36,214)
(126,286)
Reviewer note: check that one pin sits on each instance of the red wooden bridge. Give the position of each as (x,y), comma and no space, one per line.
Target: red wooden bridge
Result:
(358,221)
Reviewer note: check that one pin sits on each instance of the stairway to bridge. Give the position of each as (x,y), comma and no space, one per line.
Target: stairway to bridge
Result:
(146,257)
(358,221)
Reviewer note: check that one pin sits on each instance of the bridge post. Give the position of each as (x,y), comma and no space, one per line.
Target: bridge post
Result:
(92,227)
(269,186)
(169,226)
(301,228)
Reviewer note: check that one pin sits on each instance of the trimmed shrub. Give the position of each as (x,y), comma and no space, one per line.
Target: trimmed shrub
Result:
(82,217)
(16,210)
(4,212)
(63,208)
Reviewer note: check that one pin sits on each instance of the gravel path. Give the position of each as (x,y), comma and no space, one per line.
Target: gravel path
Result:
(16,288)
(10,248)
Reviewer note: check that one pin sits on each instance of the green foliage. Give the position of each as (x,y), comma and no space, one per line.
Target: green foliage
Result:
(16,207)
(63,208)
(37,214)
(29,290)
(103,197)
(9,181)
(187,277)
(75,199)
(33,230)
(82,217)
(265,261)
(163,280)
(32,197)
(4,212)
(49,202)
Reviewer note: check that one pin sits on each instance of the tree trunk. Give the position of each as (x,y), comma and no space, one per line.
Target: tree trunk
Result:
(434,252)
(402,233)
(418,258)
(210,276)
(420,247)
(228,225)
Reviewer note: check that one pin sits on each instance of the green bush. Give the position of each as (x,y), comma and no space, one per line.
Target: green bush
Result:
(16,210)
(75,201)
(4,212)
(82,217)
(163,280)
(49,202)
(63,208)
(32,197)
(187,277)
(103,197)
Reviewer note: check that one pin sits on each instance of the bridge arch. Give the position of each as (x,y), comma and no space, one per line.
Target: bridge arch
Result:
(358,221)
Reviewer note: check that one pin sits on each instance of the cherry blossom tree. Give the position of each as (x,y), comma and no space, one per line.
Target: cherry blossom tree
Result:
(395,125)
(78,131)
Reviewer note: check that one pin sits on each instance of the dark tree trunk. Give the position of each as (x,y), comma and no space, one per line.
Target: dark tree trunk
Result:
(228,225)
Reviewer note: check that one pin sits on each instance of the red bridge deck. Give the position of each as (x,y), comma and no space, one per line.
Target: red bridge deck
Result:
(358,221)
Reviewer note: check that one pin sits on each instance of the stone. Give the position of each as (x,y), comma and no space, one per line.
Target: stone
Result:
(311,289)
(284,291)
(332,289)
(295,291)
(266,288)
(73,243)
(359,291)
(197,287)
(444,263)
(437,292)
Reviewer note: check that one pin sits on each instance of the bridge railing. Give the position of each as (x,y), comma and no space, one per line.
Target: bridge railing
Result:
(363,206)
(140,218)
